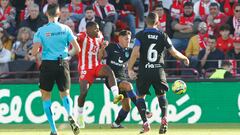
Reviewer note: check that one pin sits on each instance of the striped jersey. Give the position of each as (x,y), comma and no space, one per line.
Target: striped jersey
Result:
(87,58)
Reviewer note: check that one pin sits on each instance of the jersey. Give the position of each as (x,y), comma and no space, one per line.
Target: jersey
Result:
(117,58)
(88,57)
(152,44)
(54,38)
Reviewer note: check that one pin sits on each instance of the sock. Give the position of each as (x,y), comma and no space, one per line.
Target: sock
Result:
(121,116)
(68,104)
(115,90)
(132,96)
(163,104)
(47,109)
(80,110)
(142,109)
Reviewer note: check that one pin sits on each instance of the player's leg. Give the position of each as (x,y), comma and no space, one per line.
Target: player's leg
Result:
(47,78)
(106,71)
(63,82)
(122,114)
(128,88)
(160,90)
(142,88)
(84,87)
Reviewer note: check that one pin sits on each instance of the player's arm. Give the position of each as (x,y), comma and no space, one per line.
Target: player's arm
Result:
(132,61)
(178,55)
(102,52)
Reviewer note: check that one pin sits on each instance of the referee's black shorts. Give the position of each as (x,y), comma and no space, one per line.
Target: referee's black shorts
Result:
(51,71)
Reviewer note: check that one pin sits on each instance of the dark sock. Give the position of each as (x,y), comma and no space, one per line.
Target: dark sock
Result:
(132,96)
(142,109)
(121,116)
(163,103)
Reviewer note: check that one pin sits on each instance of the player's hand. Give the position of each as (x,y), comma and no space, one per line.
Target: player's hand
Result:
(132,75)
(105,44)
(186,61)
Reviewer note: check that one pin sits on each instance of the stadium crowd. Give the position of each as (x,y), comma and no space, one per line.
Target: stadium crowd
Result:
(206,31)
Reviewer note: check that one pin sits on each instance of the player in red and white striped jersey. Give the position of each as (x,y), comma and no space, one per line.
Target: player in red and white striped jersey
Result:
(89,66)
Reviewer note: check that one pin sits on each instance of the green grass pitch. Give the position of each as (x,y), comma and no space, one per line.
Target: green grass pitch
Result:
(130,129)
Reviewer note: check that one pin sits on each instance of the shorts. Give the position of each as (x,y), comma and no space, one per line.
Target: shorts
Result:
(90,74)
(51,71)
(118,82)
(158,81)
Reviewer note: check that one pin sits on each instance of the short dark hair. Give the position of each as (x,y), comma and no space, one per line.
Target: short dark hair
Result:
(52,9)
(124,33)
(214,4)
(224,27)
(226,63)
(151,18)
(90,24)
(212,37)
(189,4)
(89,8)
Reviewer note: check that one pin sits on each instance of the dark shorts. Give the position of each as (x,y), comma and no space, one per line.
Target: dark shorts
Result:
(118,82)
(157,80)
(51,71)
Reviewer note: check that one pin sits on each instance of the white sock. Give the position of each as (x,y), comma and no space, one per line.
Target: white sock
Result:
(115,90)
(80,110)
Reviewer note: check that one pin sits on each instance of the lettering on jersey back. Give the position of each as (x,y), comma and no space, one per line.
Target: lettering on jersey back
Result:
(153,37)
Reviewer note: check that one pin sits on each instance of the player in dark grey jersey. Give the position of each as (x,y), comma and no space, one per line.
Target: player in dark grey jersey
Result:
(149,47)
(117,55)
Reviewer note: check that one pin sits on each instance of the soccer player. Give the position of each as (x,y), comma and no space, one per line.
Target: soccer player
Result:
(117,55)
(89,66)
(149,47)
(54,39)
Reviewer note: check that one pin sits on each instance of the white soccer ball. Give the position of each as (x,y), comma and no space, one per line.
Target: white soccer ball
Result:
(179,87)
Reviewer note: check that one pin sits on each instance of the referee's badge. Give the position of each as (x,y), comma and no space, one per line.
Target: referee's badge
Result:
(127,54)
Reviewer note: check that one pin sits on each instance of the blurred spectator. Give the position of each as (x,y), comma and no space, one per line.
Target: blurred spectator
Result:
(5,57)
(176,9)
(107,13)
(138,6)
(210,55)
(34,21)
(234,54)
(71,24)
(6,39)
(227,6)
(46,5)
(234,21)
(184,27)
(215,19)
(224,42)
(89,16)
(201,8)
(7,16)
(65,14)
(164,19)
(27,8)
(224,72)
(76,9)
(124,15)
(23,44)
(197,43)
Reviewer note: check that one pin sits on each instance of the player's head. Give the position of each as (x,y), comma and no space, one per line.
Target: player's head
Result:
(92,29)
(227,65)
(124,38)
(53,10)
(152,20)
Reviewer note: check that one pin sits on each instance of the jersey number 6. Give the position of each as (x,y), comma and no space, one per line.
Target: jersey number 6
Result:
(152,53)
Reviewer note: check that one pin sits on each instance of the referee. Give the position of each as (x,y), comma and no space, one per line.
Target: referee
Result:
(54,38)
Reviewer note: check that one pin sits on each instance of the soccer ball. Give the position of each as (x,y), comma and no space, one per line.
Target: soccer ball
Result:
(179,87)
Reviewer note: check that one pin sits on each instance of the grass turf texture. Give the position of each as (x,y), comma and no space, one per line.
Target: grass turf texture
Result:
(130,129)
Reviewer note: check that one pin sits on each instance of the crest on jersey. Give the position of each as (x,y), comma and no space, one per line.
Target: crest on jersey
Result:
(48,34)
(126,54)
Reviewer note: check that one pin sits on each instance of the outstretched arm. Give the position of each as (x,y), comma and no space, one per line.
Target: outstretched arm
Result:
(178,55)
(131,62)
